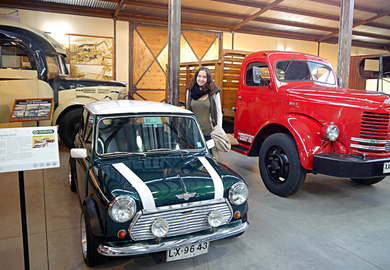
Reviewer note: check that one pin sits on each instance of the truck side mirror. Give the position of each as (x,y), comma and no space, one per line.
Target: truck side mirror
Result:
(256,75)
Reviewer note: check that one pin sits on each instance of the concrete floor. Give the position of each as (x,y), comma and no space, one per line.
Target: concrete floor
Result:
(330,224)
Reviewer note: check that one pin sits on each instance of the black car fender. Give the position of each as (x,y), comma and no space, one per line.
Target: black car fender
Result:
(94,217)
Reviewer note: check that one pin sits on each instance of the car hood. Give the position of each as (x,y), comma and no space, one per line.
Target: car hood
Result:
(159,181)
(344,96)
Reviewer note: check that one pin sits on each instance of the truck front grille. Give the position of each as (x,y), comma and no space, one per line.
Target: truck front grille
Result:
(182,219)
(373,133)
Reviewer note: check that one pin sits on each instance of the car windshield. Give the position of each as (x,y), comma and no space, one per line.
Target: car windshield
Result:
(146,134)
(299,70)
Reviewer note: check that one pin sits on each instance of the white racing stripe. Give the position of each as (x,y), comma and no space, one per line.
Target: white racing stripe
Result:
(218,185)
(143,191)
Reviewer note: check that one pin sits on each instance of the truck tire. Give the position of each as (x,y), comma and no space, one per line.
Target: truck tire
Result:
(280,166)
(90,242)
(69,125)
(369,181)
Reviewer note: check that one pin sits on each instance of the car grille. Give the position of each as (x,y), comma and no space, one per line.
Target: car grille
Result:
(373,133)
(182,219)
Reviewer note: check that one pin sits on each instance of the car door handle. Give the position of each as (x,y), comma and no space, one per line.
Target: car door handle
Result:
(239,97)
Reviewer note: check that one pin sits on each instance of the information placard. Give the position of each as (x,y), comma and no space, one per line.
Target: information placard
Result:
(29,148)
(31,110)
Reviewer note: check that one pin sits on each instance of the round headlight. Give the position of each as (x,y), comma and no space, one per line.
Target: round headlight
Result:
(332,132)
(122,208)
(329,132)
(160,227)
(215,218)
(238,193)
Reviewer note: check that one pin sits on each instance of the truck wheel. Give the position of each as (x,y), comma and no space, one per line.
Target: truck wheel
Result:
(280,166)
(89,242)
(69,125)
(369,181)
(72,174)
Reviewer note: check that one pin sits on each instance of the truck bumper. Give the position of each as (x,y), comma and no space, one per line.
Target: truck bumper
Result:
(344,165)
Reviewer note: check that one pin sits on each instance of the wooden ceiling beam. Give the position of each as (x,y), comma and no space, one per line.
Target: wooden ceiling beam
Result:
(121,4)
(357,24)
(257,14)
(356,7)
(148,20)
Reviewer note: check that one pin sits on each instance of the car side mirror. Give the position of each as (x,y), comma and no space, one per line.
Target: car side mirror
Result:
(78,153)
(210,144)
(256,75)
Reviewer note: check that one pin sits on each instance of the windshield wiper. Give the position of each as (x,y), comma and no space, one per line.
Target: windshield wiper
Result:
(288,65)
(167,150)
(125,153)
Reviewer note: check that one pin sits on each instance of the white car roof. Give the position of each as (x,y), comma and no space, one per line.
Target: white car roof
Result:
(107,107)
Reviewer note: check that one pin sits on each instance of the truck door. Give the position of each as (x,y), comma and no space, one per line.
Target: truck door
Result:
(253,102)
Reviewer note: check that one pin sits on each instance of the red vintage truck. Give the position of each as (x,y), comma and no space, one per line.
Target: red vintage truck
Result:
(291,113)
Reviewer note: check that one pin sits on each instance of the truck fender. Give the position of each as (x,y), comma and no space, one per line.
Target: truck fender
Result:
(66,106)
(94,218)
(306,133)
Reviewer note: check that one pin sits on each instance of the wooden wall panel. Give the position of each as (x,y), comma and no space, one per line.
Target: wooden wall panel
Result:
(200,42)
(155,38)
(154,78)
(150,58)
(142,58)
(149,95)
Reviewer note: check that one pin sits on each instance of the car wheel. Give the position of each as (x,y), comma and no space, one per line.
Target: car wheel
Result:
(69,126)
(72,174)
(89,242)
(369,181)
(280,166)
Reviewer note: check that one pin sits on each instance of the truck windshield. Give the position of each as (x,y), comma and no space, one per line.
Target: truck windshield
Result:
(147,134)
(299,70)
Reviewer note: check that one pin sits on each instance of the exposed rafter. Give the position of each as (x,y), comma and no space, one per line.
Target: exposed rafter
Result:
(357,24)
(312,28)
(257,14)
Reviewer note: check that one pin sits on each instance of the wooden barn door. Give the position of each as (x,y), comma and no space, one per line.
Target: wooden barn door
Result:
(149,57)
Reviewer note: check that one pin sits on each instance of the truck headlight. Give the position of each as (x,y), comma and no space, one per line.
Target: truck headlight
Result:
(238,193)
(330,132)
(122,208)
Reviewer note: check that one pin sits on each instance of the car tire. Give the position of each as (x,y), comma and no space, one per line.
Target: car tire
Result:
(280,166)
(69,125)
(89,242)
(72,174)
(369,181)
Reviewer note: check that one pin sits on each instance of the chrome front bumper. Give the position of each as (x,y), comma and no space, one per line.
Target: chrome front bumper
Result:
(143,249)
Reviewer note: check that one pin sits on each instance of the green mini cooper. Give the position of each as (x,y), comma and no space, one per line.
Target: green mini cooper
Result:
(146,182)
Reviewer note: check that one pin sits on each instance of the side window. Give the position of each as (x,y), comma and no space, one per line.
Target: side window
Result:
(264,73)
(87,136)
(52,66)
(13,57)
(86,127)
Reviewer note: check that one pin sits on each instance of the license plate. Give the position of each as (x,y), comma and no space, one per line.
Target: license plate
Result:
(386,167)
(187,251)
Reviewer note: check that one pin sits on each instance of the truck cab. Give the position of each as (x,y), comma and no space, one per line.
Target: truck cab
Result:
(33,66)
(291,113)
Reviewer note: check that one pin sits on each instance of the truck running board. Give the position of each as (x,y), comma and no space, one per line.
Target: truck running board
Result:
(239,148)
